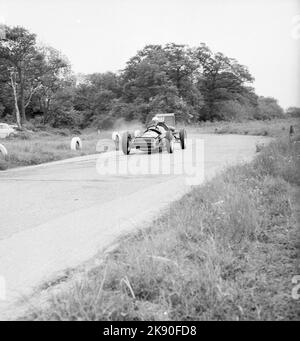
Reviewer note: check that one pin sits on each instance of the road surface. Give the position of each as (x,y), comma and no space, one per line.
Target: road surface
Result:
(58,215)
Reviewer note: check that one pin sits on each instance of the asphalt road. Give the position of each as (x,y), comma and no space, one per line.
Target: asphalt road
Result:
(58,215)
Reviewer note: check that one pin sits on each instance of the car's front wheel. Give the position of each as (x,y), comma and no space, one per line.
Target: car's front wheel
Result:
(170,142)
(182,137)
(126,143)
(117,142)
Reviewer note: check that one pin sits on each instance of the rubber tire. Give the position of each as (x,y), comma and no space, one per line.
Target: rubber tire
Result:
(114,135)
(125,143)
(76,144)
(182,136)
(117,143)
(116,138)
(3,150)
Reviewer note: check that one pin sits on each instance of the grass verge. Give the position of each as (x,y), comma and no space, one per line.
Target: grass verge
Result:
(226,251)
(45,146)
(273,128)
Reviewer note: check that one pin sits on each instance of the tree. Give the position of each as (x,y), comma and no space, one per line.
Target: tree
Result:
(14,87)
(18,51)
(161,79)
(194,83)
(220,79)
(293,112)
(268,108)
(95,96)
(6,94)
(52,73)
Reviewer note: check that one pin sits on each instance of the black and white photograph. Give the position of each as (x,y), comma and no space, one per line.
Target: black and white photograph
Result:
(149,163)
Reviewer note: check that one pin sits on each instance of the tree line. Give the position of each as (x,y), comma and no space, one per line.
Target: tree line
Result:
(37,84)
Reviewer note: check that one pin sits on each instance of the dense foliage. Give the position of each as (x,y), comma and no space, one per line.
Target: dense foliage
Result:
(36,83)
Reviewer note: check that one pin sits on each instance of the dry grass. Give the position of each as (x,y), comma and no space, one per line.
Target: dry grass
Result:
(45,146)
(273,128)
(225,251)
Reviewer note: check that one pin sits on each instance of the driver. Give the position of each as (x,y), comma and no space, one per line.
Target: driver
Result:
(161,126)
(154,121)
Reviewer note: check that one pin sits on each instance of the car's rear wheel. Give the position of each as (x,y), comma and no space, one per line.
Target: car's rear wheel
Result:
(126,143)
(182,137)
(3,150)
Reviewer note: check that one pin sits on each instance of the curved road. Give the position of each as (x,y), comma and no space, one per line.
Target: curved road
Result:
(58,215)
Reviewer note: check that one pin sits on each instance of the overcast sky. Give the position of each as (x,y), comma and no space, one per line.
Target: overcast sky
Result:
(101,35)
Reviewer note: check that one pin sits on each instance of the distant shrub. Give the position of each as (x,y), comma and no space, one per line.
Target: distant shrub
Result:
(62,132)
(62,146)
(44,134)
(2,109)
(23,135)
(233,111)
(259,147)
(76,131)
(268,108)
(293,112)
(3,164)
(70,118)
(279,159)
(30,126)
(103,122)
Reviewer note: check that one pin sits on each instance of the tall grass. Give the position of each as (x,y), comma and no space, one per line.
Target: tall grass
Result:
(45,146)
(225,251)
(274,128)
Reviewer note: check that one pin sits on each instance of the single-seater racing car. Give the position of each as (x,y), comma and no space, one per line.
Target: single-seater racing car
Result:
(160,134)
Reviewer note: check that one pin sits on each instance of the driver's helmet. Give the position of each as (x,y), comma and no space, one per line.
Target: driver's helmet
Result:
(155,120)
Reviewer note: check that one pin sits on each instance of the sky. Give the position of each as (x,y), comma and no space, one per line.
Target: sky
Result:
(101,35)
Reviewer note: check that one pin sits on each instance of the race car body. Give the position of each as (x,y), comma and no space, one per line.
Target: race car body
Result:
(158,136)
(152,139)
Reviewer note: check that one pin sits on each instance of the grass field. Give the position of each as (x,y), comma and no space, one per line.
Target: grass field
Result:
(45,146)
(228,250)
(273,128)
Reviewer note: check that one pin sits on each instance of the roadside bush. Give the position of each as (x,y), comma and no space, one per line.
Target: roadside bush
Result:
(280,159)
(45,134)
(233,111)
(3,164)
(23,135)
(61,132)
(62,146)
(104,122)
(293,112)
(30,126)
(268,108)
(61,118)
